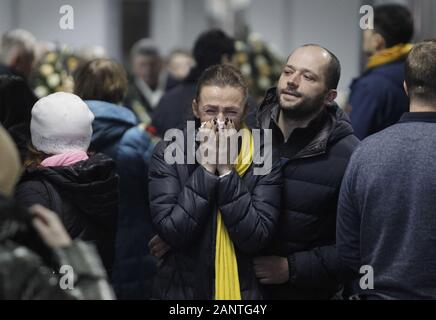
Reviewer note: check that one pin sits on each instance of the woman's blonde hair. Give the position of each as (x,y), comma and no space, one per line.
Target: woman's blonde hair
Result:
(34,157)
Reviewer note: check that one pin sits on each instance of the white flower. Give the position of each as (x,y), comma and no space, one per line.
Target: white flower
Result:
(51,57)
(260,60)
(264,83)
(254,37)
(246,69)
(53,80)
(46,69)
(68,84)
(41,91)
(240,46)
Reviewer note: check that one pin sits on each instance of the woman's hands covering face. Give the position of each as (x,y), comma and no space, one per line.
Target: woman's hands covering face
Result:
(218,148)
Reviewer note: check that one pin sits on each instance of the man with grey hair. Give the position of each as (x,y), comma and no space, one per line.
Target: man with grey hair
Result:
(147,82)
(17,53)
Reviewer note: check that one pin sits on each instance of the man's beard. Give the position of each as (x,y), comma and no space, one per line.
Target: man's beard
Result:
(305,109)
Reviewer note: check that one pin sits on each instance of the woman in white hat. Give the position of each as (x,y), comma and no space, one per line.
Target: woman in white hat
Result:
(63,177)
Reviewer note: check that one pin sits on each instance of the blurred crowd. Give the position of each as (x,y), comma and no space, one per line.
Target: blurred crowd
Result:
(84,180)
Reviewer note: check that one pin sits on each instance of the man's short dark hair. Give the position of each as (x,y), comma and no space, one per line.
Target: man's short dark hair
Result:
(333,72)
(211,46)
(420,71)
(394,23)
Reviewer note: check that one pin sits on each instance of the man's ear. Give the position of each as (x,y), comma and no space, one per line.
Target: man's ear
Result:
(405,88)
(380,42)
(195,109)
(330,97)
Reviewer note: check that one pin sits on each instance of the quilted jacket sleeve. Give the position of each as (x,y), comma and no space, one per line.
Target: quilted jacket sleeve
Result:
(179,212)
(251,217)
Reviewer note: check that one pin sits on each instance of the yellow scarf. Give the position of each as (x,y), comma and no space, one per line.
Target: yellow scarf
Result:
(226,266)
(389,55)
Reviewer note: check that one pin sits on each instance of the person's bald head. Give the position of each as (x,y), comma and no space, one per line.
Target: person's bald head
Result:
(10,167)
(308,81)
(324,60)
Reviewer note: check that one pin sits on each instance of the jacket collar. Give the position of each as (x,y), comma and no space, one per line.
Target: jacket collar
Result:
(418,117)
(319,143)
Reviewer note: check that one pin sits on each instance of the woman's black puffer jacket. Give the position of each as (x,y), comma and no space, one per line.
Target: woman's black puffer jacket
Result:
(184,200)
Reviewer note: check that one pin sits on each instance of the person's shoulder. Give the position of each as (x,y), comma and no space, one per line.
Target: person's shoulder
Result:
(160,148)
(106,110)
(391,68)
(31,180)
(137,142)
(137,137)
(377,143)
(373,81)
(384,135)
(346,145)
(158,161)
(388,75)
(97,166)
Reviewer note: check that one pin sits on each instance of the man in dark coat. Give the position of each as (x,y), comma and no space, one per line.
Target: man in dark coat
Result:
(189,202)
(386,215)
(148,81)
(315,141)
(377,98)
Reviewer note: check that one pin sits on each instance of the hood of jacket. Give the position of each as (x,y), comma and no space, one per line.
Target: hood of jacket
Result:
(110,123)
(91,185)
